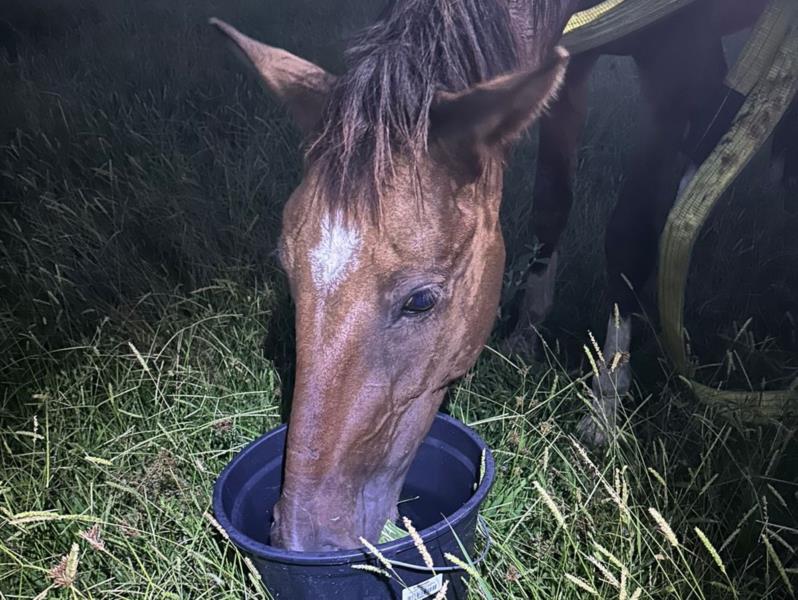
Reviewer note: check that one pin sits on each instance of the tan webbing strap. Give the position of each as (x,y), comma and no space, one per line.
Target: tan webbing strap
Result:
(769,30)
(613,19)
(760,113)
(749,407)
(587,16)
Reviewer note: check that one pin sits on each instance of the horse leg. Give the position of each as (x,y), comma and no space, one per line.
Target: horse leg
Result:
(681,73)
(784,154)
(560,130)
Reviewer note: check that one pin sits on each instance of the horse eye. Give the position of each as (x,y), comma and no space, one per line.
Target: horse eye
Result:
(420,302)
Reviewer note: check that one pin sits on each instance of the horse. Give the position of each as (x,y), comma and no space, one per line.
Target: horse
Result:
(392,244)
(681,65)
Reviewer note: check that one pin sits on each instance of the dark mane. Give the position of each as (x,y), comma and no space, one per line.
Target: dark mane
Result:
(380,106)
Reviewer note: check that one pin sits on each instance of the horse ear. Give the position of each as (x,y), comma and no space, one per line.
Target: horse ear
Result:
(470,125)
(299,84)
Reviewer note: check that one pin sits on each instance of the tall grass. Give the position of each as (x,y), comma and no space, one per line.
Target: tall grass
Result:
(128,431)
(142,174)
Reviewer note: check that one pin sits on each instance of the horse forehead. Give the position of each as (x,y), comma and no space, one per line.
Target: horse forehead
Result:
(336,251)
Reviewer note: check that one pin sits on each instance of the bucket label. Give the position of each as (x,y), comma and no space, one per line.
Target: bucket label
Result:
(425,589)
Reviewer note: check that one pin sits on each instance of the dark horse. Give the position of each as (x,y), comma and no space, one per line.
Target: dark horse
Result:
(681,65)
(392,244)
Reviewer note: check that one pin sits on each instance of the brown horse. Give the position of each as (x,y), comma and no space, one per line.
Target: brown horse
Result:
(392,243)
(681,66)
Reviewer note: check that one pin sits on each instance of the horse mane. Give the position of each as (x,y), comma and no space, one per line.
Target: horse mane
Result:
(379,109)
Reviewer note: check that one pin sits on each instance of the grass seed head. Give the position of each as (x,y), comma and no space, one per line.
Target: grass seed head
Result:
(605,572)
(441,595)
(774,558)
(419,543)
(459,562)
(592,361)
(549,502)
(711,549)
(65,572)
(596,347)
(376,553)
(372,569)
(216,525)
(93,537)
(664,527)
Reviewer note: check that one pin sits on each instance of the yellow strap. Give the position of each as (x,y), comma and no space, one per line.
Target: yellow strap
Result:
(756,120)
(761,48)
(748,407)
(587,16)
(613,19)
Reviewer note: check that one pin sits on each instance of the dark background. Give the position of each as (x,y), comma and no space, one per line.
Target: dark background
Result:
(139,158)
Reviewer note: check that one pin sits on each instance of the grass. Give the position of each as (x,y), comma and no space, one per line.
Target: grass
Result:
(141,179)
(129,430)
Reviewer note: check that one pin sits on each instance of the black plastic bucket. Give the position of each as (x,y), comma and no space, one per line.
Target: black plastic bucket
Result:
(444,492)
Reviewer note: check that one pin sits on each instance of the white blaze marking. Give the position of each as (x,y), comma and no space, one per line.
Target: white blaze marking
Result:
(335,254)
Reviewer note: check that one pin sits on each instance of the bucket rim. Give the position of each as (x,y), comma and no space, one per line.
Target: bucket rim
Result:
(356,555)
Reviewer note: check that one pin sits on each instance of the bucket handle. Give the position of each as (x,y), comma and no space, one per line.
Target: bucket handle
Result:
(484,530)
